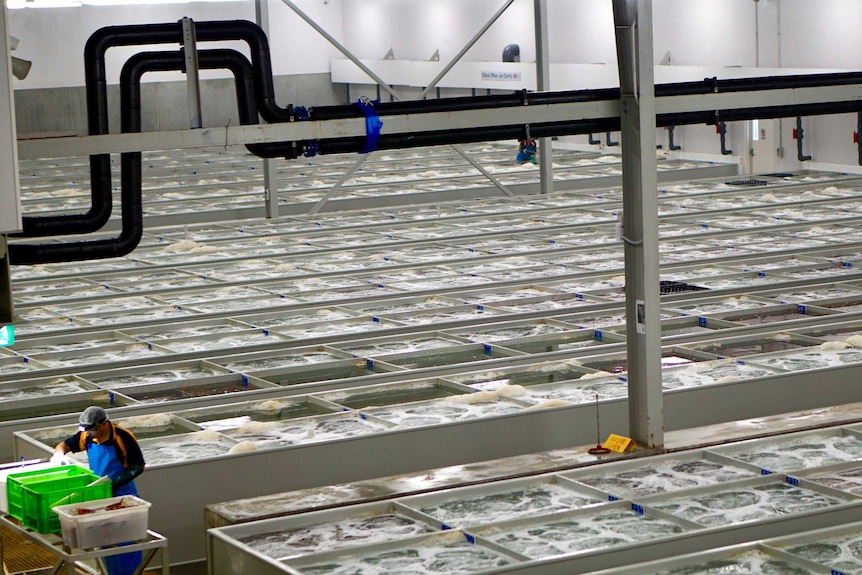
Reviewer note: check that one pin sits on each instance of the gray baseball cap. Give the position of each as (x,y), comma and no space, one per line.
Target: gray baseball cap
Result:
(91,417)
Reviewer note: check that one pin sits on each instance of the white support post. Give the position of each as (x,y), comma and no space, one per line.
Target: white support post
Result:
(633,23)
(270,170)
(192,73)
(270,188)
(543,84)
(10,202)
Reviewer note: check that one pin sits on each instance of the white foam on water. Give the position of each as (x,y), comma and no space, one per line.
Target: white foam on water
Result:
(804,452)
(733,506)
(456,557)
(148,421)
(607,529)
(748,562)
(360,529)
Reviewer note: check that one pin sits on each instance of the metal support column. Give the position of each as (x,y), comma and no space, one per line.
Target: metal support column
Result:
(270,171)
(270,188)
(633,23)
(10,219)
(543,84)
(192,75)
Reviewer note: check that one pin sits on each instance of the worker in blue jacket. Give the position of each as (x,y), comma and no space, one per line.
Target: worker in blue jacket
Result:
(526,151)
(112,451)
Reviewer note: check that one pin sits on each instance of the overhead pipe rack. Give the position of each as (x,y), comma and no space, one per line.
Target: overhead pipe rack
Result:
(359,127)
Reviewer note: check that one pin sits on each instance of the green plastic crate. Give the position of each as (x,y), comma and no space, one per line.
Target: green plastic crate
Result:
(16,481)
(33,494)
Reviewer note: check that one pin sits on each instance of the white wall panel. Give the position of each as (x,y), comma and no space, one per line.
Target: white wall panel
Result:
(54,38)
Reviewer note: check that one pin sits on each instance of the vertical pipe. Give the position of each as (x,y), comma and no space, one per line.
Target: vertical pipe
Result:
(756,34)
(543,84)
(193,84)
(270,171)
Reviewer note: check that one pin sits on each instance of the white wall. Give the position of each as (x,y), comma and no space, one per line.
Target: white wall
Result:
(414,29)
(54,38)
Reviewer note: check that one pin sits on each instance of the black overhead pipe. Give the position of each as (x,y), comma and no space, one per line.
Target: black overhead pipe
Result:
(798,135)
(706,86)
(97,107)
(266,107)
(721,128)
(670,144)
(130,162)
(256,39)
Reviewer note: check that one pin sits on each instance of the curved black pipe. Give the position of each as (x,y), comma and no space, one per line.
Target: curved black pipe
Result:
(130,162)
(266,107)
(172,33)
(97,108)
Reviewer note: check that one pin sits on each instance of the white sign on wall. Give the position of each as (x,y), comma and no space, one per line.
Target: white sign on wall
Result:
(505,76)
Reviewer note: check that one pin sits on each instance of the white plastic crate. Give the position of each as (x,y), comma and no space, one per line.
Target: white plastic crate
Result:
(97,524)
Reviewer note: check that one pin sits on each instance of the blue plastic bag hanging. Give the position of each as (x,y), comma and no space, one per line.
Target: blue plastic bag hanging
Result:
(372,123)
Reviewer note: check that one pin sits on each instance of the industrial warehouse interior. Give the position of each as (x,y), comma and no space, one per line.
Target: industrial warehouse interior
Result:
(295,247)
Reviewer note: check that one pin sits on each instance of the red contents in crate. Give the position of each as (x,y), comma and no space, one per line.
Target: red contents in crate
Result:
(111,507)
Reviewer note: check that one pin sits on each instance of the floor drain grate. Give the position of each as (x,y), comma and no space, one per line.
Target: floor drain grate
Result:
(748,183)
(668,287)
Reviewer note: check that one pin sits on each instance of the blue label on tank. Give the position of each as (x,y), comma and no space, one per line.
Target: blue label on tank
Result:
(369,363)
(701,321)
(761,274)
(846,265)
(637,508)
(792,481)
(597,335)
(470,539)
(487,348)
(613,498)
(802,309)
